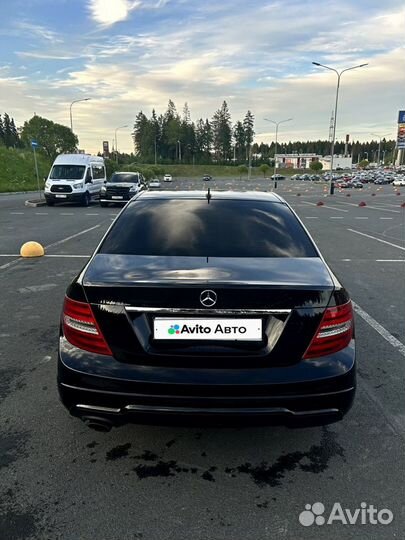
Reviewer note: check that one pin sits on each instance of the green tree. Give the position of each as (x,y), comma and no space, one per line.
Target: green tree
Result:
(248,123)
(264,168)
(52,138)
(363,164)
(239,136)
(2,142)
(242,169)
(222,133)
(316,166)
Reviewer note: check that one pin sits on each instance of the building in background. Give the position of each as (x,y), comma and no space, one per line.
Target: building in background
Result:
(339,162)
(296,160)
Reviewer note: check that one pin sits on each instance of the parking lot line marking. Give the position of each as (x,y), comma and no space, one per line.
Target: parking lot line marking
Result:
(17,213)
(390,260)
(68,256)
(66,214)
(360,217)
(373,208)
(311,217)
(380,329)
(73,236)
(92,214)
(336,217)
(41,213)
(15,261)
(386,218)
(326,206)
(378,239)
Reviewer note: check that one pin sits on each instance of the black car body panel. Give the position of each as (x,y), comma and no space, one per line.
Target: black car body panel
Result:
(147,379)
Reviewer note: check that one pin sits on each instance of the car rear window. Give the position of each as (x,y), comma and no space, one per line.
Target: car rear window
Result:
(222,228)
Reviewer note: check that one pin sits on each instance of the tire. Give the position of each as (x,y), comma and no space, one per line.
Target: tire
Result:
(103,204)
(86,199)
(50,203)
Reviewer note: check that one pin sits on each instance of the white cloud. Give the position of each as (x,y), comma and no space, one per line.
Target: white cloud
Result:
(108,12)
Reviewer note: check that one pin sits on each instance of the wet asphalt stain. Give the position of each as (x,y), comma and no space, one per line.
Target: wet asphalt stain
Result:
(208,476)
(9,382)
(170,443)
(12,447)
(92,444)
(315,461)
(161,468)
(147,456)
(118,452)
(15,522)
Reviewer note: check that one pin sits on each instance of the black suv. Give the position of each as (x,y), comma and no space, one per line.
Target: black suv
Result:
(121,187)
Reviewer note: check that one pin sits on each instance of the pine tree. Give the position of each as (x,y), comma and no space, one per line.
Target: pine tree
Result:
(14,134)
(239,136)
(222,133)
(1,132)
(8,136)
(248,123)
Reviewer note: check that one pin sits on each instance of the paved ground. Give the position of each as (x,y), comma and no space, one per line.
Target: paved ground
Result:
(58,479)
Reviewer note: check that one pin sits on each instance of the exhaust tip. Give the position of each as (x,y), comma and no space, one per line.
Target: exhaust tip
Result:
(97,424)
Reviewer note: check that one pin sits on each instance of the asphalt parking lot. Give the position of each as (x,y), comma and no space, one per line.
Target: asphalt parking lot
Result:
(61,480)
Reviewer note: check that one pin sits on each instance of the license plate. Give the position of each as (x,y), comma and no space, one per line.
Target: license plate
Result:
(207,329)
(117,197)
(61,196)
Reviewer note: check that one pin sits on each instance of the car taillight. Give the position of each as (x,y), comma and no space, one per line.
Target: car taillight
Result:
(81,329)
(334,332)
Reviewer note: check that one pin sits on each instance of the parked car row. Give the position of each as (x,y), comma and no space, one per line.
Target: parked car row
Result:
(81,177)
(306,177)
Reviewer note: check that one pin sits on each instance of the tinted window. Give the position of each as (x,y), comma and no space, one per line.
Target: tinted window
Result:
(125,177)
(98,171)
(223,228)
(67,172)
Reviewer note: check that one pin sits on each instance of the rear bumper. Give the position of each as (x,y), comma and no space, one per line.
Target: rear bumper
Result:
(139,394)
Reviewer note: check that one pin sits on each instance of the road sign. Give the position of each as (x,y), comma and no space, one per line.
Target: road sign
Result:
(34,144)
(401,117)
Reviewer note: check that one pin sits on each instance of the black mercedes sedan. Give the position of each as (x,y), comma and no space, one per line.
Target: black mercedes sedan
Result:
(215,306)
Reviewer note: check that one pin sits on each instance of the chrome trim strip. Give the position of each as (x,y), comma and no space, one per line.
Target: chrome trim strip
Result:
(232,410)
(198,311)
(97,408)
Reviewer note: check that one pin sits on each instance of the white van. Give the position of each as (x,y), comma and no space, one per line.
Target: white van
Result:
(75,178)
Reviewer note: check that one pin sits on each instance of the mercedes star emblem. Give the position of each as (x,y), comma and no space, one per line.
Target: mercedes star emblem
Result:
(208,298)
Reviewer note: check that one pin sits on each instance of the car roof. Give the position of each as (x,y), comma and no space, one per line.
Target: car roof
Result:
(219,195)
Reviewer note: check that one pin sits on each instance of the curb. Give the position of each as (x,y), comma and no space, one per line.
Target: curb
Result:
(35,203)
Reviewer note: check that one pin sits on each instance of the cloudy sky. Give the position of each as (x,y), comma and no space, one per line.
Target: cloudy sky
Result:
(131,55)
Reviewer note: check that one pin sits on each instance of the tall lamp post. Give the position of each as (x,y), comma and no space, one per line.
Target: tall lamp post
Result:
(179,150)
(115,138)
(379,144)
(275,145)
(71,105)
(332,151)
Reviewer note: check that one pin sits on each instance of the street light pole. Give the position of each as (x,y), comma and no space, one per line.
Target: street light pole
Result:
(179,150)
(116,148)
(332,151)
(275,145)
(379,144)
(73,102)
